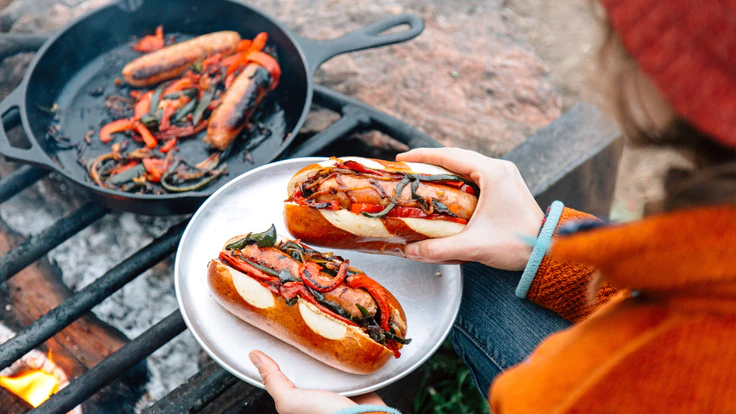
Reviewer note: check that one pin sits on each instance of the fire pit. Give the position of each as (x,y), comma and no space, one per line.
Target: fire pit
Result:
(489,96)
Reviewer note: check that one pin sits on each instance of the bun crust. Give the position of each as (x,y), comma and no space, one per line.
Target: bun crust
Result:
(355,352)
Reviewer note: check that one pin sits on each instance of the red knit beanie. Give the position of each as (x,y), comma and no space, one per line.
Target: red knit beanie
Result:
(688,48)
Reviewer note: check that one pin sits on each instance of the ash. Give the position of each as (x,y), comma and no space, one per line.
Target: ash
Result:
(137,306)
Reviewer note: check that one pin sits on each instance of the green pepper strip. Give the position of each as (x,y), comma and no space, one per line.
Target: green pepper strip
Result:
(440,207)
(196,186)
(396,338)
(286,276)
(202,106)
(149,120)
(191,92)
(394,201)
(155,98)
(185,110)
(264,269)
(447,177)
(263,239)
(126,175)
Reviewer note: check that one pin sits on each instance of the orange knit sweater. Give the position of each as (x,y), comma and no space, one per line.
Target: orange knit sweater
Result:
(666,347)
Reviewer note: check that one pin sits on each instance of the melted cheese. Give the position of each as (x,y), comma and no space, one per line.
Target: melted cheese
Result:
(434,228)
(251,291)
(365,161)
(320,323)
(357,224)
(420,168)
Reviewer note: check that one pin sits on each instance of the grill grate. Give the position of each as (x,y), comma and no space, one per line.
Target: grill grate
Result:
(205,386)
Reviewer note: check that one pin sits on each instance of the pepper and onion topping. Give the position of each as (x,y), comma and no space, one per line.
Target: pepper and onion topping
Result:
(309,287)
(309,193)
(162,117)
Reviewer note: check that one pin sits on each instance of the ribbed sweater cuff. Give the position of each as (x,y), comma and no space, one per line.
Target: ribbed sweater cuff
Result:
(540,248)
(367,408)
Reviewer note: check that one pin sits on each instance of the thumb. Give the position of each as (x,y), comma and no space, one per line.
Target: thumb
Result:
(438,250)
(276,383)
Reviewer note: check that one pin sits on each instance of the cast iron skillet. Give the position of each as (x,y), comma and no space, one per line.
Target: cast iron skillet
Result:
(91,52)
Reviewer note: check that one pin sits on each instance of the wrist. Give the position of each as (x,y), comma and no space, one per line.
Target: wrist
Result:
(541,246)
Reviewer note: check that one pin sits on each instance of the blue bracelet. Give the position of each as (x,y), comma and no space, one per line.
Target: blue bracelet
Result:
(540,248)
(367,408)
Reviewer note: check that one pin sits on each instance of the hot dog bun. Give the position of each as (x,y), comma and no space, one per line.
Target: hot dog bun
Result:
(303,325)
(343,229)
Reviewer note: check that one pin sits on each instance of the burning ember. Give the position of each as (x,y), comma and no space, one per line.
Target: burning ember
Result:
(34,387)
(35,377)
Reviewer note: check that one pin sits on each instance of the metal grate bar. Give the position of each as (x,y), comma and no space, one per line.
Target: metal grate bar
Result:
(198,391)
(60,317)
(113,366)
(40,244)
(20,179)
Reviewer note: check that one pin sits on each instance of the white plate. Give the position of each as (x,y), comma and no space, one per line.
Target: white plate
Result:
(252,202)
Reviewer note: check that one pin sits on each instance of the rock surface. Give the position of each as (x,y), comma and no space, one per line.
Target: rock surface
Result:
(469,80)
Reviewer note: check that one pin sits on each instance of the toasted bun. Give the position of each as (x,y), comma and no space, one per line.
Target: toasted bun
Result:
(302,325)
(342,229)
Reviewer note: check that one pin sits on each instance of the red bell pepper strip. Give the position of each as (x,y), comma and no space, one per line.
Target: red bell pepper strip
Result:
(166,116)
(377,291)
(358,167)
(259,42)
(181,132)
(232,59)
(151,43)
(107,131)
(269,63)
(146,135)
(256,46)
(245,267)
(168,146)
(244,45)
(290,290)
(144,105)
(311,269)
(213,60)
(358,208)
(181,84)
(393,347)
(120,168)
(154,168)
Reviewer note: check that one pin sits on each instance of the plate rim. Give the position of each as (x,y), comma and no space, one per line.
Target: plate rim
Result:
(202,343)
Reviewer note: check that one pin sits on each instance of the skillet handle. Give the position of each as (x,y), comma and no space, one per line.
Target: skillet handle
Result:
(10,113)
(319,51)
(14,43)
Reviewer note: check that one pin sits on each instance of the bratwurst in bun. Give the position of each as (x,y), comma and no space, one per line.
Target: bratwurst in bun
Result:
(313,301)
(376,206)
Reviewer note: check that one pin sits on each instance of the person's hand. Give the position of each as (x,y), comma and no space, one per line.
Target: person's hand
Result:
(290,399)
(506,210)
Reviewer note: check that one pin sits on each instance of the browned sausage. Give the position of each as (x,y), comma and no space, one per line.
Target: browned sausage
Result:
(343,295)
(172,61)
(355,189)
(238,105)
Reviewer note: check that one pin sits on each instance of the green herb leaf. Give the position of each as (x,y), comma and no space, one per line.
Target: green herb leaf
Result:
(285,276)
(440,207)
(363,311)
(265,239)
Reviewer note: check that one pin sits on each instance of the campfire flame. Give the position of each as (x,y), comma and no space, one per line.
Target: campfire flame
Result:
(34,386)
